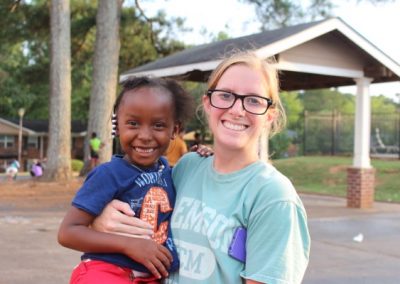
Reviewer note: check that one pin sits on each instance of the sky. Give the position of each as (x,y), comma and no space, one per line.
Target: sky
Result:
(378,23)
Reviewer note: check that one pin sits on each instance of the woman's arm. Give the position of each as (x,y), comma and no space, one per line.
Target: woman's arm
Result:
(278,243)
(75,233)
(116,218)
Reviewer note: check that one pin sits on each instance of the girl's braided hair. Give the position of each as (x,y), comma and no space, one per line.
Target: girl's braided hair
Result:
(183,103)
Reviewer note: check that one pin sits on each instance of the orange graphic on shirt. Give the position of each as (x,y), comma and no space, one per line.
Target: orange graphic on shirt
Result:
(156,200)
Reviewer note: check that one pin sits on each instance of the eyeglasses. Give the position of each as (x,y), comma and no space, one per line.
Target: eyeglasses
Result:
(251,103)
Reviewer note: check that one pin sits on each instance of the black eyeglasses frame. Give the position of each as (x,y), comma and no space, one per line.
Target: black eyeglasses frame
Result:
(241,97)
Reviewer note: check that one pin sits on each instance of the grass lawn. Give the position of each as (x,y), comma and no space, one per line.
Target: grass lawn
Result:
(328,175)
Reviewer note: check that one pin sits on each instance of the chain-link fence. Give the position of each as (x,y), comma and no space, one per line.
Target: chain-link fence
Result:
(333,134)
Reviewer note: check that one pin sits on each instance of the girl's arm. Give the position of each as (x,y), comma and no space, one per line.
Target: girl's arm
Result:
(202,150)
(248,281)
(75,233)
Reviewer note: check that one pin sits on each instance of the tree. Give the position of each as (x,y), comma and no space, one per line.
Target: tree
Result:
(281,13)
(198,123)
(25,49)
(24,38)
(383,105)
(107,51)
(105,73)
(294,108)
(325,100)
(59,149)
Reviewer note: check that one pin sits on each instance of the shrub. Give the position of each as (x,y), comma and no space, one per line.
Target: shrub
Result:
(278,145)
(76,165)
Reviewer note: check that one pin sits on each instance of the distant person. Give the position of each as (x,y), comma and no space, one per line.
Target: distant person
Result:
(95,145)
(36,169)
(197,140)
(177,148)
(12,170)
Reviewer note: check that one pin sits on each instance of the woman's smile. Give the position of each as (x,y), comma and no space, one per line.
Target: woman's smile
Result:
(234,126)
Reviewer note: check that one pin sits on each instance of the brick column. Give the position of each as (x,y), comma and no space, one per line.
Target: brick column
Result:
(360,187)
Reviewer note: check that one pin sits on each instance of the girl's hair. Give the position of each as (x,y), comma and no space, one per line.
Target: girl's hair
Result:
(268,72)
(183,103)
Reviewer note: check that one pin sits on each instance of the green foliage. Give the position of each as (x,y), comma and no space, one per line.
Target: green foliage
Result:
(294,108)
(278,145)
(382,104)
(328,100)
(24,52)
(327,175)
(24,56)
(144,40)
(330,121)
(282,13)
(385,118)
(198,123)
(76,165)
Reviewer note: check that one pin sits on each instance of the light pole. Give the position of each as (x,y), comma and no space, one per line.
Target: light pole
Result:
(398,126)
(21,113)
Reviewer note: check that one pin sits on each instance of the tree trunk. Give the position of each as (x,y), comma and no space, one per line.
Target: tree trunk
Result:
(105,75)
(58,166)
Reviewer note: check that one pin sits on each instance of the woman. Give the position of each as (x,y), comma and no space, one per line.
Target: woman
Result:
(234,188)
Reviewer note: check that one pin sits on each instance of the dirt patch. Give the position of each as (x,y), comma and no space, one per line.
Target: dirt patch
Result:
(337,169)
(37,195)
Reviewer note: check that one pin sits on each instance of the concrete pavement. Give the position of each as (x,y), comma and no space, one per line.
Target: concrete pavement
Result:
(30,252)
(337,258)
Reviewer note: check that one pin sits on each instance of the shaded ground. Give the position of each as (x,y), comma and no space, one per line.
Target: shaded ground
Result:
(30,214)
(29,195)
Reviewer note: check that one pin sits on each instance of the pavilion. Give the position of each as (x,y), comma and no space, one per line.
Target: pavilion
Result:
(323,54)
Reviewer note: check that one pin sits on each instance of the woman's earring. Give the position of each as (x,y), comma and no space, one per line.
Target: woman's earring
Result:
(114,125)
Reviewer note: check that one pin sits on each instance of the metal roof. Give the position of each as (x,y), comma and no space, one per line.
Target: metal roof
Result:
(217,50)
(41,126)
(196,63)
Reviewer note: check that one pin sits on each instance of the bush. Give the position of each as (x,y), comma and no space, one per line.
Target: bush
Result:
(278,145)
(76,165)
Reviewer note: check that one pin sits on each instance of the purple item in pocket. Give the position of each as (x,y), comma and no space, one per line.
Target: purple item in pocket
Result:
(237,248)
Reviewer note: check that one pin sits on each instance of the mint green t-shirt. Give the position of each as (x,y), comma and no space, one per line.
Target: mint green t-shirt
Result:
(209,206)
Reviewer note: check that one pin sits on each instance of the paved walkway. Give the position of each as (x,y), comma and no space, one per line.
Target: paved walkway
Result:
(30,252)
(336,258)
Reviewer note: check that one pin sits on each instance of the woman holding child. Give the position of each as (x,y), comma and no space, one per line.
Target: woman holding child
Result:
(233,189)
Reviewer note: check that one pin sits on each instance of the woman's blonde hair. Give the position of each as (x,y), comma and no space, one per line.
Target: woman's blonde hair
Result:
(268,72)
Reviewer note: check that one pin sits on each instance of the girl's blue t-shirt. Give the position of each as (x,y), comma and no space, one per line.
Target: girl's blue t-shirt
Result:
(150,194)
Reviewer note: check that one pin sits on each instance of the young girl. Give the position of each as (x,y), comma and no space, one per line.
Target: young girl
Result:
(234,189)
(148,113)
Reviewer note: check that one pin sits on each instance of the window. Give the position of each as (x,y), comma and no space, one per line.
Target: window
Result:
(33,142)
(7,141)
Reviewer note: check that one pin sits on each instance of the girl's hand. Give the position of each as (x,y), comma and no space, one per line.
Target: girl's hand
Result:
(156,258)
(118,218)
(202,150)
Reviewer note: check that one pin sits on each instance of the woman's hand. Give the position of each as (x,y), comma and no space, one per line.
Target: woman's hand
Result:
(202,150)
(118,218)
